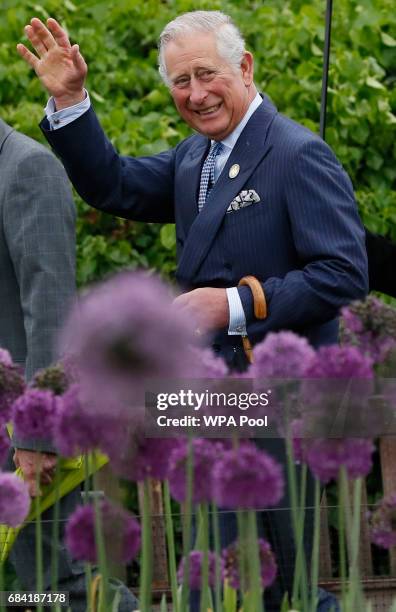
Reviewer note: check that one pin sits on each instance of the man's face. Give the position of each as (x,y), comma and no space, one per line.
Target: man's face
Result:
(209,94)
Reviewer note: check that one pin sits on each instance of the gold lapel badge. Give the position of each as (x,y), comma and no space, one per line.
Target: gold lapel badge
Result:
(234,171)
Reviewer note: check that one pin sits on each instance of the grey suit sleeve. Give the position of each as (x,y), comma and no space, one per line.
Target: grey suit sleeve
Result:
(39,224)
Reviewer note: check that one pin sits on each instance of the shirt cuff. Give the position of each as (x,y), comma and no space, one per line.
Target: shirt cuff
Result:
(58,119)
(237,325)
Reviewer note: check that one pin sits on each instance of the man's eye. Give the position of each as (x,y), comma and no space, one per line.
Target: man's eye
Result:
(182,82)
(206,74)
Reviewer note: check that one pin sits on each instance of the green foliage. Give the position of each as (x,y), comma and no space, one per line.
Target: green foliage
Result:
(118,40)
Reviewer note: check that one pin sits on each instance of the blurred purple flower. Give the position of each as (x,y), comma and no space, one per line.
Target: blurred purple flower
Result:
(268,567)
(76,430)
(340,362)
(383,522)
(14,500)
(53,378)
(122,332)
(34,414)
(371,326)
(151,458)
(208,365)
(121,533)
(5,358)
(247,478)
(326,456)
(5,444)
(12,385)
(281,355)
(195,569)
(204,455)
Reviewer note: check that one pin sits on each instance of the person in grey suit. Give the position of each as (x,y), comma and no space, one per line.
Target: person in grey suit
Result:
(37,283)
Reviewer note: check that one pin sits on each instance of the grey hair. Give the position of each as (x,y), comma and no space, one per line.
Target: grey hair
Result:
(229,41)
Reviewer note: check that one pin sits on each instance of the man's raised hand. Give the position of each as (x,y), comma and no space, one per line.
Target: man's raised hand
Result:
(58,64)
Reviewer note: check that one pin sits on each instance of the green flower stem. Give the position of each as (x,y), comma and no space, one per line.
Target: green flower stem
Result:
(87,566)
(55,531)
(104,603)
(217,548)
(39,543)
(341,541)
(147,552)
(315,549)
(187,520)
(300,561)
(254,563)
(171,547)
(356,596)
(2,607)
(300,569)
(205,560)
(243,574)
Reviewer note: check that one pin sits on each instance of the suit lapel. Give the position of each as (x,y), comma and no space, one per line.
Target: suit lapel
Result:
(189,177)
(249,150)
(5,131)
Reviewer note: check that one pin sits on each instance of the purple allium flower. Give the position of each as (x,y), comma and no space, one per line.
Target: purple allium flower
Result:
(326,456)
(208,365)
(340,362)
(14,500)
(34,414)
(204,455)
(77,430)
(151,458)
(281,355)
(5,358)
(121,533)
(195,569)
(53,378)
(371,326)
(247,478)
(268,567)
(383,522)
(12,385)
(124,331)
(4,444)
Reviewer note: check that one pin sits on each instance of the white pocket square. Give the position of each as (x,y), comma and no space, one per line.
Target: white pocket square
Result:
(246,197)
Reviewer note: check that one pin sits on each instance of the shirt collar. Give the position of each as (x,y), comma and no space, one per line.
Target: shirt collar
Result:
(230,140)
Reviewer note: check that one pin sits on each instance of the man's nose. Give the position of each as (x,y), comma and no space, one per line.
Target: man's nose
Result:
(197,92)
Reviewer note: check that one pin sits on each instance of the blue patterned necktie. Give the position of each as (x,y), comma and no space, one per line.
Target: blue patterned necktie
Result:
(207,174)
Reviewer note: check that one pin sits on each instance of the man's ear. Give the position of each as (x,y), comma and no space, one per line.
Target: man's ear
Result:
(247,68)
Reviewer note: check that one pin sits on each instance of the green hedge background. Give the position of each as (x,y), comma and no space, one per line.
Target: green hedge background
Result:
(118,40)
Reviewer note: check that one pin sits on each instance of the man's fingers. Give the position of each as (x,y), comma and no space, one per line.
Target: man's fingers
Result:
(28,56)
(43,33)
(58,33)
(78,59)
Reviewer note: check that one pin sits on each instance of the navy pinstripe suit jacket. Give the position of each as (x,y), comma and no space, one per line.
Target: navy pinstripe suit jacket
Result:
(303,240)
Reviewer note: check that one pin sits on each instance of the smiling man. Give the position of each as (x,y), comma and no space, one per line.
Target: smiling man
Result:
(251,193)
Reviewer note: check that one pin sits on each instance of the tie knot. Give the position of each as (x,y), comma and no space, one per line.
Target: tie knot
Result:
(215,149)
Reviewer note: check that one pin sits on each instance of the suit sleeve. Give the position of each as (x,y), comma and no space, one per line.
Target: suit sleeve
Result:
(329,241)
(39,222)
(138,188)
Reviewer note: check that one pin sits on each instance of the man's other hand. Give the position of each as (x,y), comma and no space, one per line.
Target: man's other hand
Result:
(207,307)
(33,462)
(58,64)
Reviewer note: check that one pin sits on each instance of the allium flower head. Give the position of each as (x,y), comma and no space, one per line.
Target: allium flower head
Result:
(121,533)
(5,358)
(281,355)
(14,500)
(268,567)
(208,365)
(325,457)
(77,430)
(12,384)
(195,569)
(383,522)
(247,478)
(53,379)
(150,458)
(123,332)
(204,454)
(340,362)
(34,414)
(371,326)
